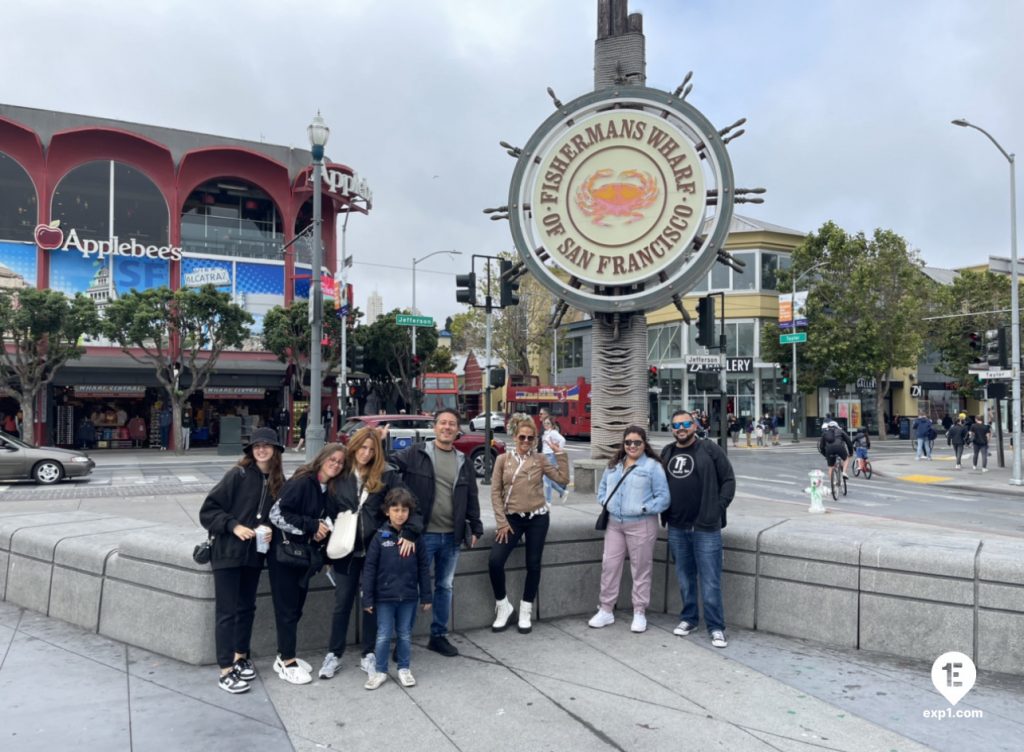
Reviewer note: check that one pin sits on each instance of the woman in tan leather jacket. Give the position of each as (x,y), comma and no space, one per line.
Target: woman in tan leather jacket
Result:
(517,495)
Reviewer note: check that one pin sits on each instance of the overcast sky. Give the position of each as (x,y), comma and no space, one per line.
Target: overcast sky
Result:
(849,103)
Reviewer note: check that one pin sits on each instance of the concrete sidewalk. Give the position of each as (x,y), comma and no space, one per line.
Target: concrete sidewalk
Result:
(565,687)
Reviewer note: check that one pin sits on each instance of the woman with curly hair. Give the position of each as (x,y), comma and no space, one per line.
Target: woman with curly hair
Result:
(634,490)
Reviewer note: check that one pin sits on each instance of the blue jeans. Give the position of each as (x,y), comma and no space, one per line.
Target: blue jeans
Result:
(394,616)
(922,447)
(698,558)
(550,485)
(443,552)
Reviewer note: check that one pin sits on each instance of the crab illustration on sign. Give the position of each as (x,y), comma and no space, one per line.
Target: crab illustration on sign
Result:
(598,199)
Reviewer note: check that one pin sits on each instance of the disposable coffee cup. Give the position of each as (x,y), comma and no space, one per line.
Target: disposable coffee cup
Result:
(262,544)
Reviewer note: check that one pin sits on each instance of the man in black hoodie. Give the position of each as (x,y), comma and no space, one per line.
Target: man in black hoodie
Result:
(701,485)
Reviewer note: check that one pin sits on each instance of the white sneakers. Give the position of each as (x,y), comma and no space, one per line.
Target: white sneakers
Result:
(368,663)
(718,639)
(296,673)
(601,619)
(502,614)
(330,666)
(639,622)
(375,680)
(525,616)
(684,628)
(406,678)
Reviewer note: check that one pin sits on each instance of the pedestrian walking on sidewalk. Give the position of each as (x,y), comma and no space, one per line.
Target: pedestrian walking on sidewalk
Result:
(443,481)
(236,514)
(551,442)
(364,482)
(980,434)
(922,428)
(300,520)
(702,485)
(634,491)
(957,436)
(392,586)
(520,511)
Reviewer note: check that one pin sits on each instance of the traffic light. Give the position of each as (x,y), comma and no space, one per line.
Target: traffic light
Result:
(415,366)
(974,346)
(995,348)
(706,322)
(497,378)
(509,287)
(465,288)
(652,376)
(358,358)
(787,373)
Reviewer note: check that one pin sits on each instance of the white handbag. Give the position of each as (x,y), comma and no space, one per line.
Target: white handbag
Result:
(343,538)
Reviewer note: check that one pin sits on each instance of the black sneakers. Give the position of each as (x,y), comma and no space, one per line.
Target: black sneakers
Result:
(245,670)
(440,644)
(233,683)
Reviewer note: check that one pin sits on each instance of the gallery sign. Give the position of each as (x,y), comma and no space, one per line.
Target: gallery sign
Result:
(51,238)
(622,199)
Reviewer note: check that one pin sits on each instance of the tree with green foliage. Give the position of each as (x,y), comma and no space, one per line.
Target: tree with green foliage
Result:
(440,361)
(867,299)
(40,331)
(975,302)
(388,352)
(177,332)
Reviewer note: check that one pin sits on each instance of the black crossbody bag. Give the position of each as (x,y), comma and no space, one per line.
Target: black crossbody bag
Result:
(602,519)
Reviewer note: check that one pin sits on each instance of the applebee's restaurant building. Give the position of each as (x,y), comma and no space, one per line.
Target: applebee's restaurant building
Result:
(102,207)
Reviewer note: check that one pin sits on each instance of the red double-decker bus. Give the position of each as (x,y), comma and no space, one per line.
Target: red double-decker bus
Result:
(439,390)
(568,405)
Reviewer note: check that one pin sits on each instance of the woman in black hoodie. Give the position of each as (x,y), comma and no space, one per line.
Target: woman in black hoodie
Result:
(236,513)
(300,513)
(361,488)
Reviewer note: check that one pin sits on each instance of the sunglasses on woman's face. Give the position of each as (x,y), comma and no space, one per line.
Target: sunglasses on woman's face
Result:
(525,437)
(682,424)
(633,443)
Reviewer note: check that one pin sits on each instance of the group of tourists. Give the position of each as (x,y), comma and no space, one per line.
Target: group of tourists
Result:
(389,528)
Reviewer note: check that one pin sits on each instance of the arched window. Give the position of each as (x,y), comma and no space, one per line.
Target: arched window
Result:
(231,217)
(82,202)
(18,207)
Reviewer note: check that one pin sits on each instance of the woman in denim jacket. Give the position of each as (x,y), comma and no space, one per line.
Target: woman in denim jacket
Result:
(633,508)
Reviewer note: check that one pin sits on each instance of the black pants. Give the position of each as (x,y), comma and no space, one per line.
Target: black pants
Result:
(981,449)
(288,589)
(234,591)
(536,531)
(347,577)
(959,449)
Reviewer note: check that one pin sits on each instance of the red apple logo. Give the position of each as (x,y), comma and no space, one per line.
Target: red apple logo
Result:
(49,237)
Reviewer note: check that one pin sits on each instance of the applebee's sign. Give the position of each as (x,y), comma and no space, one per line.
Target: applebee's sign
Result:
(50,238)
(348,185)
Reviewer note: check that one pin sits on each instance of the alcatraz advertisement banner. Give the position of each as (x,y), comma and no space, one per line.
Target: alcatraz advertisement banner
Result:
(256,287)
(787,302)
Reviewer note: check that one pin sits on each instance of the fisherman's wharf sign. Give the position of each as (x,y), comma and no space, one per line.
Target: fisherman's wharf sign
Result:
(614,203)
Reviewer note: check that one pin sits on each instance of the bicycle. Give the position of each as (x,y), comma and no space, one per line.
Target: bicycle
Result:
(836,479)
(862,465)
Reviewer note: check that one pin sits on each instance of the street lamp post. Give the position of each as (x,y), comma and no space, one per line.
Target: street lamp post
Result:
(318,134)
(1015,479)
(792,312)
(414,262)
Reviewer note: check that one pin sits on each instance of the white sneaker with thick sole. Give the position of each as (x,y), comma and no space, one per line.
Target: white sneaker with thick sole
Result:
(375,680)
(502,615)
(279,664)
(639,622)
(525,617)
(684,628)
(601,619)
(295,674)
(369,663)
(406,678)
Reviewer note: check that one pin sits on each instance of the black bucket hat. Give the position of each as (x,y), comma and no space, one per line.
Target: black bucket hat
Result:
(264,436)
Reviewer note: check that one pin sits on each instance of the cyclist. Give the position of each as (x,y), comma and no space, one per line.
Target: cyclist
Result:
(861,445)
(835,442)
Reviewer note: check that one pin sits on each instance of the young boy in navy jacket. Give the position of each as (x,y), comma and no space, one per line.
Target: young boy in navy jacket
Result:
(393,584)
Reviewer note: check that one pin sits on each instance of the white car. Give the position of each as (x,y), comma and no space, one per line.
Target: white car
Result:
(497,422)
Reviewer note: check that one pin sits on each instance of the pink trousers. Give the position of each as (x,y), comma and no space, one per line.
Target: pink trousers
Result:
(636,539)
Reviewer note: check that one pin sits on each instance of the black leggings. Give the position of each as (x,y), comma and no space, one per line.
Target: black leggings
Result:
(536,531)
(959,449)
(234,591)
(289,596)
(983,450)
(347,576)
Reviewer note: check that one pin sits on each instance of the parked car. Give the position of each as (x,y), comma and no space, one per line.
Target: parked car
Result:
(497,422)
(20,460)
(408,429)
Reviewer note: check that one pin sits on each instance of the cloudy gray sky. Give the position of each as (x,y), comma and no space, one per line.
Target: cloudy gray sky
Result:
(849,103)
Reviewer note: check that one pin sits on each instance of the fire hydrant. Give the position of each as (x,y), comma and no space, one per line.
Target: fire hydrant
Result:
(817,488)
